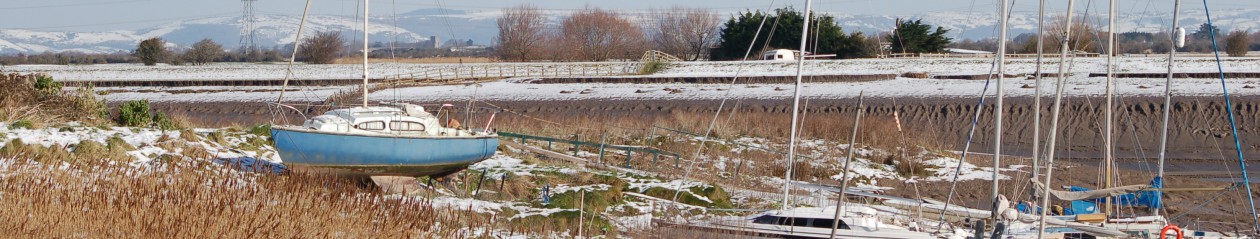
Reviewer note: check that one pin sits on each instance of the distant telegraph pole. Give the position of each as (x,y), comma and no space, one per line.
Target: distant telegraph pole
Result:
(248,19)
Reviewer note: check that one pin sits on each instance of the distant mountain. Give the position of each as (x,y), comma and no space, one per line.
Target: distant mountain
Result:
(978,25)
(271,31)
(277,30)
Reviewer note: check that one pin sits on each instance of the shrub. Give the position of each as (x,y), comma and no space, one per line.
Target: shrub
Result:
(164,122)
(652,67)
(135,114)
(46,84)
(22,124)
(261,130)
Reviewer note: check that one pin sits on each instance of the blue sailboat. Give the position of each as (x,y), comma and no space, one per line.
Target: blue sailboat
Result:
(391,139)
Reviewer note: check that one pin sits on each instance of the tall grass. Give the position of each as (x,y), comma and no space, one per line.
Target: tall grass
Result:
(188,201)
(37,98)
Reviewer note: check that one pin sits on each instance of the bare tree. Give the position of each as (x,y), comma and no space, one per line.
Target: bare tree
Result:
(594,34)
(521,33)
(323,48)
(684,32)
(1084,37)
(1237,44)
(202,52)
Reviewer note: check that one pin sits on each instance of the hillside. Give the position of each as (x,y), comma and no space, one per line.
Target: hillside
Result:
(274,30)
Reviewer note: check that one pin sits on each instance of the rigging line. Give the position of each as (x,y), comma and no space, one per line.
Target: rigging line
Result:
(392,56)
(1231,188)
(293,57)
(446,19)
(738,72)
(967,146)
(1229,109)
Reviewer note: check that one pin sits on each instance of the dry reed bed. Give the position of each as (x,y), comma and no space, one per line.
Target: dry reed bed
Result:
(182,201)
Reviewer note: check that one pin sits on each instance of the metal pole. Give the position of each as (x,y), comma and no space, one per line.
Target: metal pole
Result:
(1109,115)
(1036,143)
(1163,133)
(1054,119)
(844,175)
(365,53)
(796,104)
(1229,109)
(997,128)
(297,41)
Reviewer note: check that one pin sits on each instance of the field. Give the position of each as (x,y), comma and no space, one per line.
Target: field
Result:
(187,177)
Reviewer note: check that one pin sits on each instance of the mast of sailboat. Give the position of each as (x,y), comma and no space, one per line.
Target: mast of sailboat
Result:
(1054,118)
(1036,143)
(796,104)
(997,129)
(1110,116)
(844,175)
(1163,130)
(297,43)
(365,53)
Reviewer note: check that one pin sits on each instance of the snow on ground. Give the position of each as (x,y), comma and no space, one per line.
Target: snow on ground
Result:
(500,164)
(145,141)
(519,88)
(946,167)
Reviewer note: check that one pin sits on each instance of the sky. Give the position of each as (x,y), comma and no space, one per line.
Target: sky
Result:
(107,15)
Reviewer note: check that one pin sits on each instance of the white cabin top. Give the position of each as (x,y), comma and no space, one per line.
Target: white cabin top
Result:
(397,119)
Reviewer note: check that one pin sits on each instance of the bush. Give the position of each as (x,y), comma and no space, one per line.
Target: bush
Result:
(261,130)
(135,114)
(652,67)
(164,122)
(46,84)
(1237,44)
(22,124)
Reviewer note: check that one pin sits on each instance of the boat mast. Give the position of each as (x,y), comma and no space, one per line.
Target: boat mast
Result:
(1036,143)
(997,132)
(1107,126)
(796,104)
(365,53)
(844,175)
(1054,119)
(1163,130)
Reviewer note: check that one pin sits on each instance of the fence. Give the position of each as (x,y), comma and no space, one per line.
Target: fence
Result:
(505,70)
(603,148)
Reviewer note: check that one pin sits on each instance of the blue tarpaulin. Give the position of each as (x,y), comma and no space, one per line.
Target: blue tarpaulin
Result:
(1150,199)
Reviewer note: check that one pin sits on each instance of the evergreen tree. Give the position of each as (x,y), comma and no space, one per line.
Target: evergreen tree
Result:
(917,37)
(151,51)
(783,31)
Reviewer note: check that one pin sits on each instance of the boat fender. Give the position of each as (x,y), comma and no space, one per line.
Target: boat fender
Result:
(1164,233)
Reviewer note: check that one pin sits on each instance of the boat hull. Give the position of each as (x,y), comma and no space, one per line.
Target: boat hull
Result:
(379,155)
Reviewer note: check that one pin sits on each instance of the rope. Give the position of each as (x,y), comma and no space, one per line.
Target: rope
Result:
(734,79)
(967,147)
(297,41)
(1205,202)
(1229,109)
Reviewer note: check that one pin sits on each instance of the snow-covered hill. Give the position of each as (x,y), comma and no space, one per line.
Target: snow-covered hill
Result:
(274,30)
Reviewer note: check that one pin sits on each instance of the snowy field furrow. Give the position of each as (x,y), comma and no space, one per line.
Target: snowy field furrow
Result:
(515,89)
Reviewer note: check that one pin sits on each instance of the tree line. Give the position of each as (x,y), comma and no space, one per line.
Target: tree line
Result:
(594,34)
(1086,38)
